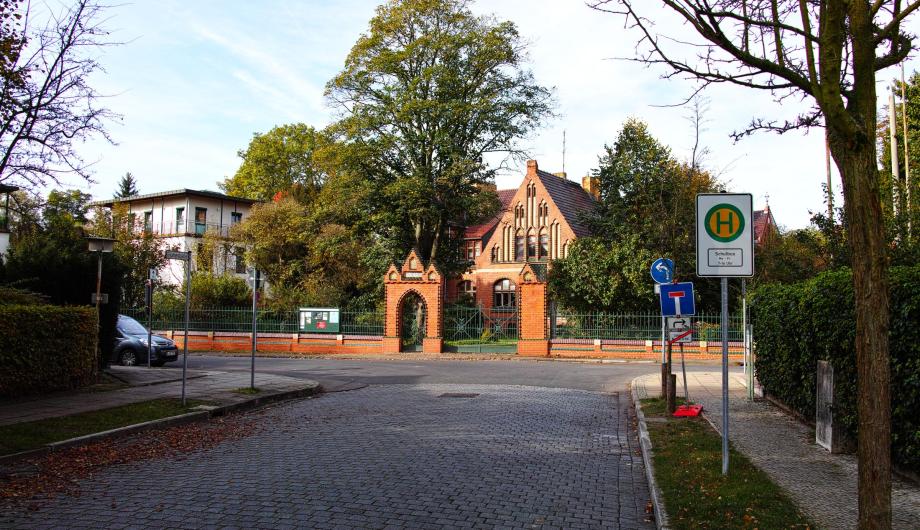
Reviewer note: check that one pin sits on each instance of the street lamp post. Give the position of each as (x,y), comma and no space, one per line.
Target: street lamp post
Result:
(99,245)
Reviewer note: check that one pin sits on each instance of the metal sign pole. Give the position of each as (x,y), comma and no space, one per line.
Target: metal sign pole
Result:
(724,375)
(744,357)
(252,364)
(149,322)
(188,298)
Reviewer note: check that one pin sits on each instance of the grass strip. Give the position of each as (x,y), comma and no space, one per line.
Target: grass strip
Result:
(688,468)
(34,434)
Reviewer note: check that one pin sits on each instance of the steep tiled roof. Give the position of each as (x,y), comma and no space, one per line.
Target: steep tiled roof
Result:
(763,222)
(570,198)
(481,230)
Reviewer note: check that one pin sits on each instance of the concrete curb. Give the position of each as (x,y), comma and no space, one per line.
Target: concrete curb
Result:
(645,442)
(158,382)
(171,421)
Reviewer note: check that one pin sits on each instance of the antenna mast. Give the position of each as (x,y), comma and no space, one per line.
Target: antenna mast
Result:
(563,150)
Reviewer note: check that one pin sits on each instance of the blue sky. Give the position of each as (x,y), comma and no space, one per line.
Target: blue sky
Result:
(194,80)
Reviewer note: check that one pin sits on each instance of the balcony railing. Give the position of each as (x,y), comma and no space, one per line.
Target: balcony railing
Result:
(181,229)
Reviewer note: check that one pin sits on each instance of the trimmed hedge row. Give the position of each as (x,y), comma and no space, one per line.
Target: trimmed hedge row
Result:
(44,348)
(796,325)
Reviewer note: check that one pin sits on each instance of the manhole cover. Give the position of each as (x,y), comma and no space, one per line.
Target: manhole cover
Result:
(458,395)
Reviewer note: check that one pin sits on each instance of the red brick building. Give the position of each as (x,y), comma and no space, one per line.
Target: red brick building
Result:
(538,223)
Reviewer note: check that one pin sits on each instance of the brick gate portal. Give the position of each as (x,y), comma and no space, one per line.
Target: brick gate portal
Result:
(428,283)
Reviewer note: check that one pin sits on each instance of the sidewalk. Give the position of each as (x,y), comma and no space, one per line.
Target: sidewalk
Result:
(151,383)
(822,484)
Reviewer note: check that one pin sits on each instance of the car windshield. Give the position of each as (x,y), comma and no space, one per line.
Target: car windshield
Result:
(129,326)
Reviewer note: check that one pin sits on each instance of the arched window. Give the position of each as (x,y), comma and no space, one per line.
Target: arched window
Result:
(565,249)
(544,244)
(531,245)
(519,246)
(495,253)
(503,293)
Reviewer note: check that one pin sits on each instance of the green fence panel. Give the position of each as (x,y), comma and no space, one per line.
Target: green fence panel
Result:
(614,326)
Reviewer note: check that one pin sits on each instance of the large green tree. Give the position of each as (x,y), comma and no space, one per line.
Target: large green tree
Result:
(826,52)
(645,211)
(426,94)
(277,161)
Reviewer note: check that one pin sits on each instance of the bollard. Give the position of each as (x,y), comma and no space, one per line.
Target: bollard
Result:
(672,394)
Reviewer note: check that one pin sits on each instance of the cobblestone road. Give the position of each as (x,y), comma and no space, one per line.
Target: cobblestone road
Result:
(388,456)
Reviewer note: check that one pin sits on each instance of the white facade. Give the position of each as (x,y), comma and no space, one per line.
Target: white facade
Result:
(4,243)
(182,217)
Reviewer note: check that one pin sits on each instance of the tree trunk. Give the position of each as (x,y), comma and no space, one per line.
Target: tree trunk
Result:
(856,162)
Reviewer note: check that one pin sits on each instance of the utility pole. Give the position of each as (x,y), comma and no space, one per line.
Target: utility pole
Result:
(906,155)
(893,140)
(830,189)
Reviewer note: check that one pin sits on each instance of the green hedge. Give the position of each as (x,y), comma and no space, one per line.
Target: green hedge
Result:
(796,325)
(44,348)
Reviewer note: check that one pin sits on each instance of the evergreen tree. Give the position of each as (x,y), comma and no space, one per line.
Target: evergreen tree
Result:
(127,187)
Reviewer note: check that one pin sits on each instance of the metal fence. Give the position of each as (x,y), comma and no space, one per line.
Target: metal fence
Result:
(478,325)
(571,325)
(462,325)
(240,320)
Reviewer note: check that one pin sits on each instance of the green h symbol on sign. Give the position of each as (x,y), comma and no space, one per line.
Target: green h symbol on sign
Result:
(728,221)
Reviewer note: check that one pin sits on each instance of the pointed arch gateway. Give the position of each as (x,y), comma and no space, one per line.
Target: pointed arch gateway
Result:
(414,296)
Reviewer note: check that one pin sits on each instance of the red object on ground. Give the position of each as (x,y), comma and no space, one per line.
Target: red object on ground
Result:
(688,411)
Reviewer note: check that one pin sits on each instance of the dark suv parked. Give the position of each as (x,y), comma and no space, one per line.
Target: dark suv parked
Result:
(131,345)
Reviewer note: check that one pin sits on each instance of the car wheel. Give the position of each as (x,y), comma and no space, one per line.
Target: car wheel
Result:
(157,363)
(127,358)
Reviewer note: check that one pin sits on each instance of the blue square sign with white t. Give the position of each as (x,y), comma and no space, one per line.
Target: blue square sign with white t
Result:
(677,299)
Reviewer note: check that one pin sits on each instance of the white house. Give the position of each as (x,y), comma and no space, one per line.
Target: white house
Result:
(182,217)
(5,191)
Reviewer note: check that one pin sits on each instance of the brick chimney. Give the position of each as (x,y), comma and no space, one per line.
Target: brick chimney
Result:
(592,185)
(562,174)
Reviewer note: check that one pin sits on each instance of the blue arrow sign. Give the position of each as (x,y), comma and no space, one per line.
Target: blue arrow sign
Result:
(663,270)
(677,299)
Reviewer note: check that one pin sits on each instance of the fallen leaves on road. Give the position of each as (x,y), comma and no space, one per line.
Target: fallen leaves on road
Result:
(61,471)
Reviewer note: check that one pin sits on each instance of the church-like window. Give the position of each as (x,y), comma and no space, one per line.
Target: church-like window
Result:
(503,293)
(519,247)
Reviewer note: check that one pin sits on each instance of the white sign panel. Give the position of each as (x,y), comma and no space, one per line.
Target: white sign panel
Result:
(724,235)
(677,326)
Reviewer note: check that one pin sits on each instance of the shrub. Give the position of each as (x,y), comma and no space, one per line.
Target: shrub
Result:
(44,348)
(797,325)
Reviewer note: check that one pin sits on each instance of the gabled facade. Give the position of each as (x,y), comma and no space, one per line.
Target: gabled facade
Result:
(538,223)
(181,218)
(764,225)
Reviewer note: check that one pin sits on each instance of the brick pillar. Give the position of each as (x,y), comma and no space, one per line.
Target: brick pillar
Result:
(533,339)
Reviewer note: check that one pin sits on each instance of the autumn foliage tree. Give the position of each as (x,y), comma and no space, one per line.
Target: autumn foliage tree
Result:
(425,95)
(828,52)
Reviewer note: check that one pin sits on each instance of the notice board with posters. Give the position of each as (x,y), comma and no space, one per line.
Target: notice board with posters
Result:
(319,319)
